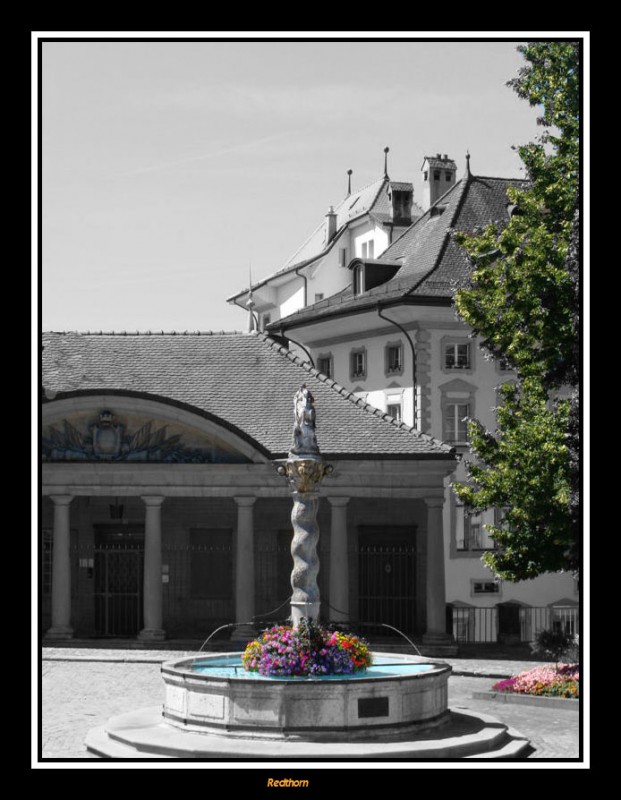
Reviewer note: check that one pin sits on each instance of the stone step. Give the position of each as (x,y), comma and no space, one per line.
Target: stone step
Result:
(144,734)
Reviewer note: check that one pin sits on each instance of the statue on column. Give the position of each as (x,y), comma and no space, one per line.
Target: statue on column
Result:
(304,436)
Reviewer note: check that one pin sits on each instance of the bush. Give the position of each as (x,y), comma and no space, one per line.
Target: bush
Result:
(556,644)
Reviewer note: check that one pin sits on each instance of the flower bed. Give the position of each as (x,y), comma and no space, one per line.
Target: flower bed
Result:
(550,680)
(308,649)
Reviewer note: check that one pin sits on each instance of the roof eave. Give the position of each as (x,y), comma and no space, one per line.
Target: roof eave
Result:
(288,323)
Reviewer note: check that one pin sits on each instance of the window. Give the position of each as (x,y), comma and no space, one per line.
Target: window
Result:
(457,355)
(447,176)
(266,319)
(358,279)
(394,358)
(364,250)
(371,249)
(456,422)
(485,587)
(425,175)
(343,256)
(318,296)
(457,405)
(436,174)
(324,364)
(211,563)
(358,363)
(393,407)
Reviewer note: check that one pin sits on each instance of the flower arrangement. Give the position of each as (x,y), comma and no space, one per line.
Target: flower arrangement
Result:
(308,649)
(549,680)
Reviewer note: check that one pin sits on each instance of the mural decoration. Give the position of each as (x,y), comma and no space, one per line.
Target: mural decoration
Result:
(107,439)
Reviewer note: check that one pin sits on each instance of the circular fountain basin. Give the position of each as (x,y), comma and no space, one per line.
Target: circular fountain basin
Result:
(397,695)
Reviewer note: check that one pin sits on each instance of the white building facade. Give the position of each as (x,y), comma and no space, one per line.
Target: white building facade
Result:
(390,334)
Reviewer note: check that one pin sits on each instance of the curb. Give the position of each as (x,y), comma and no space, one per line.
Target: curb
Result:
(566,703)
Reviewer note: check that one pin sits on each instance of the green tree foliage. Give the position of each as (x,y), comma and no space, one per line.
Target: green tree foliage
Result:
(523,303)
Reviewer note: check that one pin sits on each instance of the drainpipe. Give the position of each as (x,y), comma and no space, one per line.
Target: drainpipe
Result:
(305,279)
(412,348)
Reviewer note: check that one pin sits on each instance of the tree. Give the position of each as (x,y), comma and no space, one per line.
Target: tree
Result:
(523,301)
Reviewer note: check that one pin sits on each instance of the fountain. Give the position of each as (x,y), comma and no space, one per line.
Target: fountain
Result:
(395,708)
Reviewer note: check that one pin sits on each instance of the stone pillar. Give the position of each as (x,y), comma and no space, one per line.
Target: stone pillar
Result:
(244,571)
(152,598)
(436,590)
(61,571)
(339,564)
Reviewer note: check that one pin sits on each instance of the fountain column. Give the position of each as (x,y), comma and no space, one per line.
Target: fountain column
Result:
(153,630)
(304,468)
(339,566)
(61,570)
(244,571)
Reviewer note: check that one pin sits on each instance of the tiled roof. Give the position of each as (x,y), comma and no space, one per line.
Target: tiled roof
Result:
(247,380)
(435,161)
(401,187)
(372,199)
(432,264)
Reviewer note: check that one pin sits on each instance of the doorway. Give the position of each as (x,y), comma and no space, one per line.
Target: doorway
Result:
(387,577)
(118,574)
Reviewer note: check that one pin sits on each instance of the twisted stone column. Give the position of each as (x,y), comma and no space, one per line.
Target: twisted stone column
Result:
(305,597)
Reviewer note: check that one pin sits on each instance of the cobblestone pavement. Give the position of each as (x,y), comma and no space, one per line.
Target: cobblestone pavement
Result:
(79,693)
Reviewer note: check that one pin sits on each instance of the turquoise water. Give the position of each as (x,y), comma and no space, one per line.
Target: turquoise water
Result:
(226,667)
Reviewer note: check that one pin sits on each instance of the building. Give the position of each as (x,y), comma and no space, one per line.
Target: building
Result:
(385,327)
(164,515)
(362,225)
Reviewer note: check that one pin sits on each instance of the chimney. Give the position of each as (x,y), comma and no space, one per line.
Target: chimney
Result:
(439,174)
(401,196)
(330,224)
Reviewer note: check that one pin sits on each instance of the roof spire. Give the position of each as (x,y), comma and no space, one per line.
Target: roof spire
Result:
(250,303)
(386,151)
(349,172)
(467,175)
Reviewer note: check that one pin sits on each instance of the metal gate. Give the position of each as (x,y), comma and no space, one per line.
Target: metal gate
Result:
(387,586)
(118,573)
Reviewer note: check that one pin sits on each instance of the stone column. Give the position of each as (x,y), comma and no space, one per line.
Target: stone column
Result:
(436,590)
(339,564)
(244,571)
(61,571)
(152,598)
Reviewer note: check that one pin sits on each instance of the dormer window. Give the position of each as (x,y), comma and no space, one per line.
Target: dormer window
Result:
(359,279)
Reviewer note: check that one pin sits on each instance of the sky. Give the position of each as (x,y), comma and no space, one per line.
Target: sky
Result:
(170,170)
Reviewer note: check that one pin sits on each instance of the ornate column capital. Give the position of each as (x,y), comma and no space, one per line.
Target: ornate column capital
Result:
(304,473)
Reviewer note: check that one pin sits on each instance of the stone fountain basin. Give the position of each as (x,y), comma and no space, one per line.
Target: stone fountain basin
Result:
(398,695)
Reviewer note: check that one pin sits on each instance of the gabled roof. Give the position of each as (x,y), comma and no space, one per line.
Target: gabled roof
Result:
(433,266)
(372,199)
(246,381)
